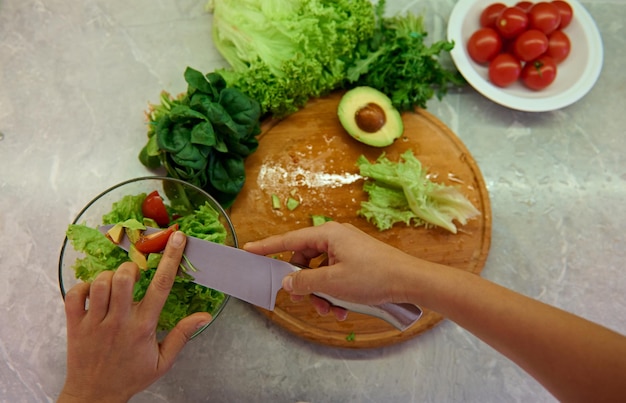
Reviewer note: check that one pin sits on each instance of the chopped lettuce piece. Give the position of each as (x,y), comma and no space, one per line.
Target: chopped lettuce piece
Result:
(319,219)
(402,192)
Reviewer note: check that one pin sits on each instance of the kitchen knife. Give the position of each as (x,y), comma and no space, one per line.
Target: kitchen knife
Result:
(257,279)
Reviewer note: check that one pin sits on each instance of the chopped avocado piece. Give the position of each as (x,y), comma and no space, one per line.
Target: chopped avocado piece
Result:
(292,203)
(133,234)
(137,257)
(319,219)
(368,115)
(116,233)
(149,222)
(275,202)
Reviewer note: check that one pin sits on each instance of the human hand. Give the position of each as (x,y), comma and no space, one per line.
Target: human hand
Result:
(112,351)
(358,268)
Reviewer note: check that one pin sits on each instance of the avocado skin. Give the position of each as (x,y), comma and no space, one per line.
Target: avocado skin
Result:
(360,97)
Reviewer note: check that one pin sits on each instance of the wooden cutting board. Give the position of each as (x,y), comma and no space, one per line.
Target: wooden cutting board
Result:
(309,157)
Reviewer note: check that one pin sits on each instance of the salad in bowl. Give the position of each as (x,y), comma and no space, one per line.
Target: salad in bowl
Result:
(131,207)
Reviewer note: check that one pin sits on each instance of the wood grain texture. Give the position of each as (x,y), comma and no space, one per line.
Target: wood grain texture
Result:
(308,156)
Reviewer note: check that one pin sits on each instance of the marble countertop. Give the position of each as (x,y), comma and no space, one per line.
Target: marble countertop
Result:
(75,79)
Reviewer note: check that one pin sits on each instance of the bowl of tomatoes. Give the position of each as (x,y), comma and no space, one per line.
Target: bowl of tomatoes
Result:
(529,56)
(164,205)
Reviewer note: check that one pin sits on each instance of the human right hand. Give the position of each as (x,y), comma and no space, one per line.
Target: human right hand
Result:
(358,267)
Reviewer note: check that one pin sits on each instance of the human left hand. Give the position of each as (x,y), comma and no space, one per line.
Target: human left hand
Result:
(112,349)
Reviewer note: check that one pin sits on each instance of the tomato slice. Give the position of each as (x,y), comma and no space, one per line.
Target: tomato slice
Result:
(154,208)
(155,242)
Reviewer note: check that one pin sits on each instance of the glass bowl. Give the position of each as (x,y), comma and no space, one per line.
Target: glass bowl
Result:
(173,191)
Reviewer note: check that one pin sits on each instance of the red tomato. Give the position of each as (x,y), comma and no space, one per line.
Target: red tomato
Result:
(511,22)
(539,73)
(484,45)
(155,242)
(154,208)
(524,5)
(566,12)
(545,17)
(504,70)
(559,46)
(530,45)
(490,14)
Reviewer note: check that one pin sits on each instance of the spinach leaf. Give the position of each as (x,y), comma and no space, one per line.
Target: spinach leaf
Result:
(204,135)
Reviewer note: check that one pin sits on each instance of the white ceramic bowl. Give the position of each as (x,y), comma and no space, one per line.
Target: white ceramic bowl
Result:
(576,75)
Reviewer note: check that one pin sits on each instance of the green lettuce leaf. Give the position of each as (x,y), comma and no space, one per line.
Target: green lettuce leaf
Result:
(401,192)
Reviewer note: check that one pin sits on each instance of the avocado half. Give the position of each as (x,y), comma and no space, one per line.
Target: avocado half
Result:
(368,115)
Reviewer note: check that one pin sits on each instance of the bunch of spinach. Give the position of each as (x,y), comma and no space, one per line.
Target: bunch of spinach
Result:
(203,136)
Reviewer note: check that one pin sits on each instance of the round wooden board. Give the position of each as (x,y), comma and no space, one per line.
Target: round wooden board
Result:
(308,156)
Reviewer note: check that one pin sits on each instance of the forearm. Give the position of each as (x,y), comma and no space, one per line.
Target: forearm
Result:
(573,358)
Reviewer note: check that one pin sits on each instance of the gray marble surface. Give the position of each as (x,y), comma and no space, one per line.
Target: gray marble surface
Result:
(75,78)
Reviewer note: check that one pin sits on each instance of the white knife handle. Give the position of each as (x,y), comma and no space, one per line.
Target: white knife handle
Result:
(401,316)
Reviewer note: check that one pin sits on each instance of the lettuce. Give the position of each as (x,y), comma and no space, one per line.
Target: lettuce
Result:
(402,192)
(284,52)
(398,62)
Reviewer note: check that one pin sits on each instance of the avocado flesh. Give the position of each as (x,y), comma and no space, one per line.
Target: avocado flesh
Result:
(368,115)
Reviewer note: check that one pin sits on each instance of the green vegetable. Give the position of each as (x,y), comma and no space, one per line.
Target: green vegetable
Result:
(351,337)
(319,219)
(397,61)
(292,203)
(401,192)
(284,52)
(101,254)
(204,135)
(275,202)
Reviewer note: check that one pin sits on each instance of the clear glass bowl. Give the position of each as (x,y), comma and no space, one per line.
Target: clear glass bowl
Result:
(172,190)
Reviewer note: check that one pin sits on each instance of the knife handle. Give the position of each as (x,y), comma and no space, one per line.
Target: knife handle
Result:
(401,316)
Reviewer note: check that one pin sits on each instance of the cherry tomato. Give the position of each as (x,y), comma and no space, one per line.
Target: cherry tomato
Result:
(504,70)
(484,45)
(524,5)
(539,73)
(490,14)
(511,22)
(155,242)
(530,45)
(559,46)
(545,17)
(566,12)
(154,208)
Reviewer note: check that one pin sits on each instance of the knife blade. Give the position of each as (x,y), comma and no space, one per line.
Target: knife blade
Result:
(257,279)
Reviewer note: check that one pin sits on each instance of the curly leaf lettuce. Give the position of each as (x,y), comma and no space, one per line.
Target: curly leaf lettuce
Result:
(284,52)
(398,62)
(401,192)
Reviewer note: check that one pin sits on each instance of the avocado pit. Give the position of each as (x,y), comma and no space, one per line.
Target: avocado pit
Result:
(371,118)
